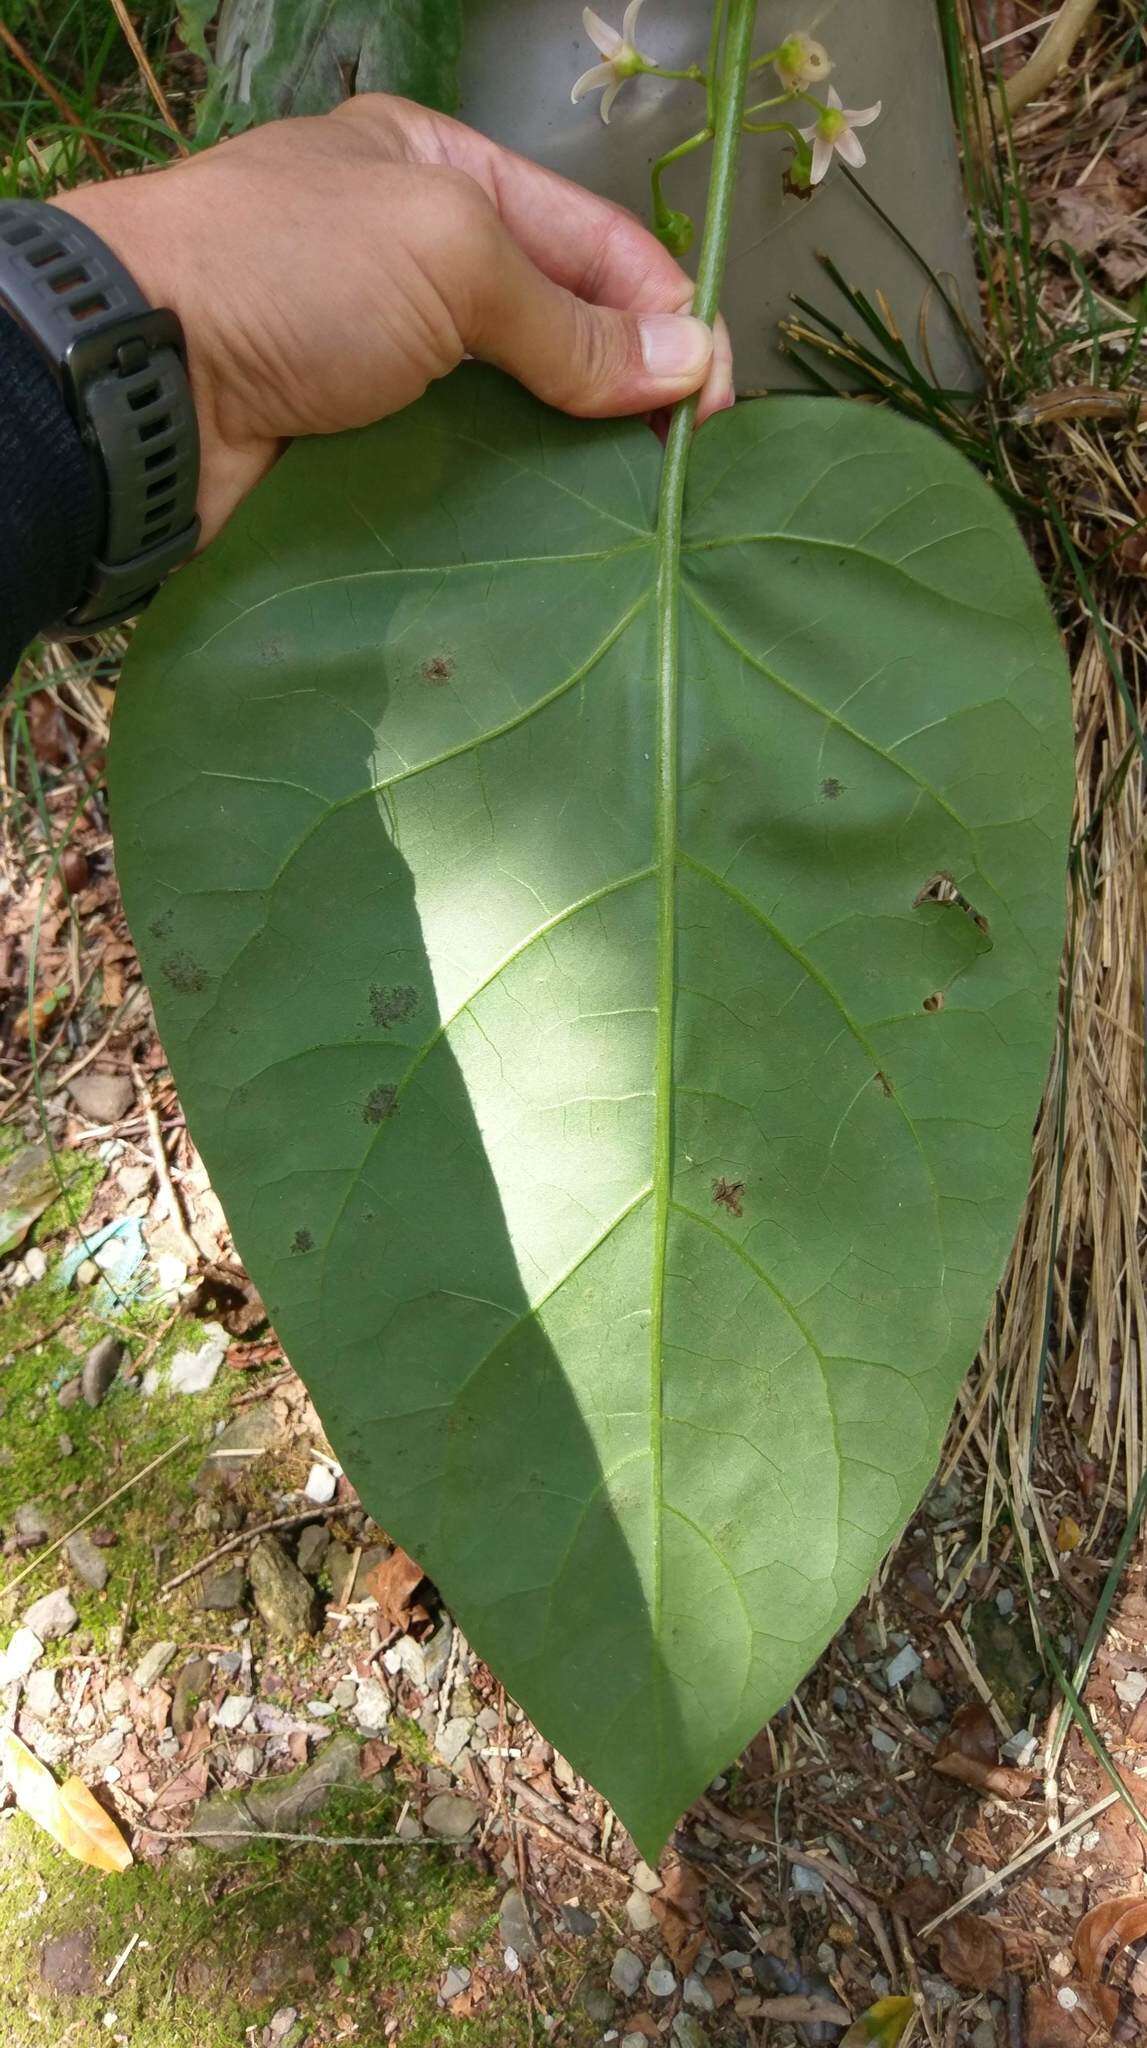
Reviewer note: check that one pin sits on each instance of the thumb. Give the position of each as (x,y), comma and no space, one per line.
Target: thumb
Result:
(589,360)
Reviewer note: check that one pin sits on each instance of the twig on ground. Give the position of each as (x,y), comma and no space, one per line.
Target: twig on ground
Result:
(248,1536)
(42,1556)
(169,1203)
(1048,1840)
(154,87)
(1048,61)
(28,63)
(583,1856)
(239,1835)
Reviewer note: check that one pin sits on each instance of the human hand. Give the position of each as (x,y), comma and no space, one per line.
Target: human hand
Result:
(327,269)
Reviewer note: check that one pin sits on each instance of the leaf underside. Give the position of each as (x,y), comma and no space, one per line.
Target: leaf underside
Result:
(386,791)
(279,57)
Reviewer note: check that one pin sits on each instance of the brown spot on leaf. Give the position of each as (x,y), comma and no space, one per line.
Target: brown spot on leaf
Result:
(885,1083)
(942,888)
(302,1241)
(438,669)
(392,1005)
(186,976)
(831,788)
(729,1194)
(381,1103)
(935,1001)
(161,925)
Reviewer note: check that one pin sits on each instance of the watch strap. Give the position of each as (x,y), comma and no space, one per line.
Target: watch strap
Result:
(121,368)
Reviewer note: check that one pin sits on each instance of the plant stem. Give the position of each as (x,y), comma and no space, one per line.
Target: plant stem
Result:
(673,156)
(730,107)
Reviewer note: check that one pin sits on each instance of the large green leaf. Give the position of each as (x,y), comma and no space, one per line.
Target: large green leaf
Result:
(393,793)
(279,57)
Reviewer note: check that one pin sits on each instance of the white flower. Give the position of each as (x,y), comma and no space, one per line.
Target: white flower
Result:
(622,57)
(801,61)
(834,130)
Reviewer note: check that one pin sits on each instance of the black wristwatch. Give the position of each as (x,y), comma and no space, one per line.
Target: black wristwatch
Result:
(121,366)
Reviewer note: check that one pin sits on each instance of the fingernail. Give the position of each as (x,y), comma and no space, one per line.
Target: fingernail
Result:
(675,346)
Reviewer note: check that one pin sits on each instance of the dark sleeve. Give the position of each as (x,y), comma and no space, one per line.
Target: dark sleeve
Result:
(49,500)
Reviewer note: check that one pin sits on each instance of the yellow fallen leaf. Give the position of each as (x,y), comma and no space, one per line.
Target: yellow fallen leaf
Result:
(67,1812)
(884,2023)
(1069,1535)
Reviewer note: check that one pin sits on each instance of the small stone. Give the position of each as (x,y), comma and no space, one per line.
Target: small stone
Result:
(321,1709)
(51,1616)
(35,1262)
(64,1445)
(627,1973)
(639,1912)
(68,1964)
(646,1879)
(372,1704)
(576,1921)
(453,1984)
(322,1484)
(1005,1604)
(87,1560)
(902,1666)
(515,1927)
(634,2041)
(1020,1748)
(237,1447)
(25,1648)
(408,1828)
(886,1744)
(984,2036)
(695,1994)
(31,1526)
(193,1372)
(87,1273)
(1068,1998)
(344,1694)
(99,1369)
(454,1738)
(152,1665)
(100,1755)
(925,1703)
(805,1879)
(193,1681)
(687,2033)
(937,1991)
(102,1098)
(312,1548)
(219,1592)
(245,1761)
(70,1392)
(284,1598)
(661,1978)
(597,2004)
(735,1959)
(41,1696)
(1132,1688)
(233,1711)
(451,1816)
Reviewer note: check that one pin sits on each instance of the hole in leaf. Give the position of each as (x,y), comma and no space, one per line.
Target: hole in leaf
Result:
(438,669)
(942,888)
(936,1001)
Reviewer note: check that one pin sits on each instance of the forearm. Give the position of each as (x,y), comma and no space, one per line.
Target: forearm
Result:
(49,503)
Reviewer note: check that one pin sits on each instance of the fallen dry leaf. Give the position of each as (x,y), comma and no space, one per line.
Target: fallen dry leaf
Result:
(393,1584)
(374,1756)
(972,1734)
(919,1901)
(1047,2024)
(1068,1535)
(67,1812)
(971,1956)
(884,2023)
(1100,1935)
(997,1778)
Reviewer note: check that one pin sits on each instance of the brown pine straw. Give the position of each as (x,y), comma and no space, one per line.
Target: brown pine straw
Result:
(1096,1372)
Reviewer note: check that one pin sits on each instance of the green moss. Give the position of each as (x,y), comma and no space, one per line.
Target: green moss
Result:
(349,1936)
(81,1176)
